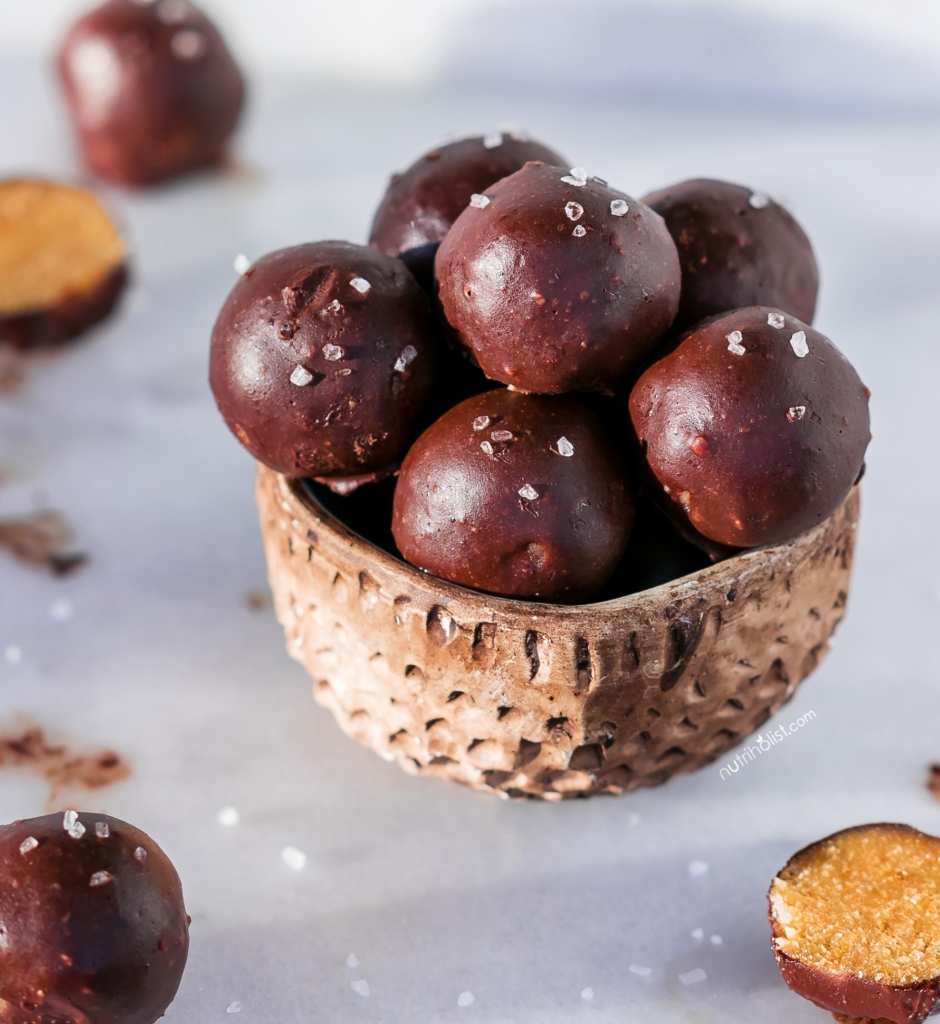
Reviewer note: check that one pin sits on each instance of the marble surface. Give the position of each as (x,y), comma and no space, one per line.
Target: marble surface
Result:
(153,650)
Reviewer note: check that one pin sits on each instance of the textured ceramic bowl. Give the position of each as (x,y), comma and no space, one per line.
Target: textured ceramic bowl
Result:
(551,701)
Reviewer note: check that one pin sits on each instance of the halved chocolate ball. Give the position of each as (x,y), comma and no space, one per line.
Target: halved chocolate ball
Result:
(557,282)
(423,202)
(322,360)
(151,88)
(62,263)
(855,923)
(754,425)
(520,495)
(92,922)
(737,248)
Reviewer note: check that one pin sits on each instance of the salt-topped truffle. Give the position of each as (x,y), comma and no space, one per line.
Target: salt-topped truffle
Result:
(423,202)
(92,922)
(558,282)
(737,248)
(151,88)
(754,426)
(520,495)
(322,360)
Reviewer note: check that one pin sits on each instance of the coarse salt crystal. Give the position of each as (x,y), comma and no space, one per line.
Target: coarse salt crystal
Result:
(300,376)
(233,1007)
(776,320)
(486,447)
(140,854)
(101,829)
(479,202)
(758,200)
(564,447)
(100,878)
(501,435)
(361,285)
(798,344)
(332,352)
(228,817)
(241,264)
(697,868)
(715,940)
(465,999)
(698,934)
(493,140)
(333,307)
(644,972)
(578,176)
(573,210)
(528,492)
(408,354)
(580,231)
(294,858)
(796,412)
(29,843)
(13,654)
(734,343)
(72,825)
(587,993)
(691,977)
(618,207)
(481,422)
(360,987)
(352,960)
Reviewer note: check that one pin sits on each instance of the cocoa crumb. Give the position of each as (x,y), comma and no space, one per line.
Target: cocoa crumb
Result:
(258,599)
(43,540)
(933,781)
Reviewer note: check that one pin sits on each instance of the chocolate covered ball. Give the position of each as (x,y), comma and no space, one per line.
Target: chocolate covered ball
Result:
(423,202)
(92,923)
(520,495)
(322,358)
(737,248)
(754,425)
(151,88)
(556,281)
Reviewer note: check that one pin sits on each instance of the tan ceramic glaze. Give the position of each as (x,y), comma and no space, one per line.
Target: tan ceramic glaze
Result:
(551,701)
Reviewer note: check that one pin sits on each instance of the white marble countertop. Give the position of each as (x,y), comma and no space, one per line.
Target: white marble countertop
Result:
(152,650)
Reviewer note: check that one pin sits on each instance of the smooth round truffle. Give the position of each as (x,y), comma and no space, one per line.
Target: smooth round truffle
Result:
(519,495)
(92,922)
(556,281)
(754,425)
(737,248)
(322,359)
(423,202)
(62,262)
(151,88)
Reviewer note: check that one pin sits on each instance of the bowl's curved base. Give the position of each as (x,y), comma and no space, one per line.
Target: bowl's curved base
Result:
(534,700)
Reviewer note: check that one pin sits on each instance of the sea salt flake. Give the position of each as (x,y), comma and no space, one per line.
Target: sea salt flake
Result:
(734,343)
(501,435)
(618,207)
(481,422)
(796,412)
(564,447)
(715,940)
(493,140)
(528,492)
(300,376)
(644,972)
(697,868)
(465,999)
(573,210)
(486,447)
(691,977)
(580,231)
(72,825)
(361,987)
(698,934)
(587,993)
(798,344)
(333,307)
(479,202)
(61,610)
(241,264)
(577,176)
(352,960)
(140,855)
(294,858)
(100,878)
(188,44)
(101,829)
(228,817)
(13,654)
(361,285)
(332,352)
(29,843)
(776,320)
(758,200)
(408,354)
(233,1007)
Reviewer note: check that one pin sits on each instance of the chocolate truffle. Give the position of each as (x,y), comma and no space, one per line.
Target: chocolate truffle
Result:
(519,495)
(423,202)
(151,88)
(92,923)
(737,248)
(855,923)
(322,360)
(62,263)
(556,281)
(754,425)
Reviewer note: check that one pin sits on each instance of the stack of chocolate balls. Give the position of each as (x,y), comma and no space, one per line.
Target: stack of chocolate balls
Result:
(541,360)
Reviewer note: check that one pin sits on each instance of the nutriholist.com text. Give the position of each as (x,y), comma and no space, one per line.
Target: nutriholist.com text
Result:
(763,742)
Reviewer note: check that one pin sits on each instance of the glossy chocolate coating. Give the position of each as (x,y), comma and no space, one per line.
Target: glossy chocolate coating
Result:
(755,432)
(557,285)
(423,202)
(94,929)
(313,375)
(151,88)
(737,248)
(520,495)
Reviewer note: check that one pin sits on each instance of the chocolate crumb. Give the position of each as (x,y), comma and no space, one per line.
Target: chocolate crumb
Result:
(42,540)
(258,599)
(933,781)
